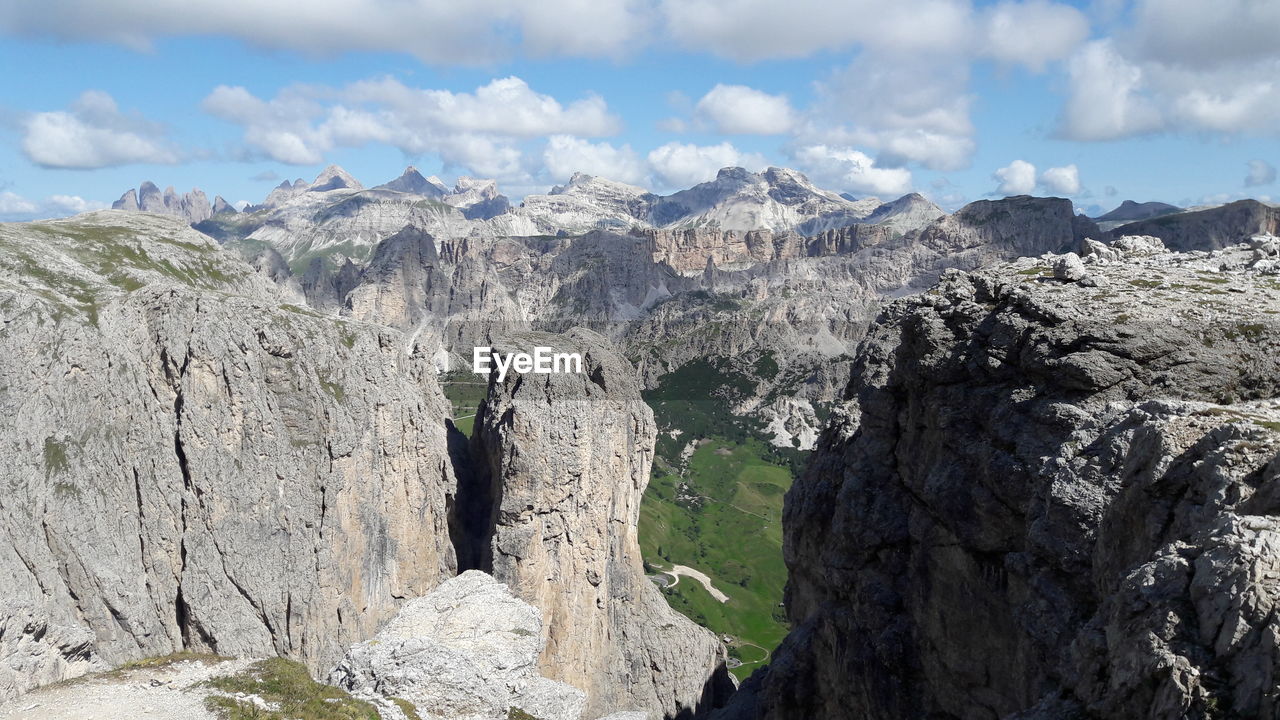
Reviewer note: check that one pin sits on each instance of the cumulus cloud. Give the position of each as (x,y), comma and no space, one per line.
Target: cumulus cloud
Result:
(565,155)
(751,30)
(1193,33)
(849,169)
(1016,178)
(678,165)
(478,31)
(737,109)
(1061,180)
(479,131)
(1106,99)
(909,110)
(1019,178)
(1032,33)
(1261,172)
(1181,65)
(94,133)
(906,96)
(12,204)
(14,207)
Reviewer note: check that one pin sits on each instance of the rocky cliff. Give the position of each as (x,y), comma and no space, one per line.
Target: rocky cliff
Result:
(1053,493)
(561,462)
(192,206)
(1209,229)
(190,464)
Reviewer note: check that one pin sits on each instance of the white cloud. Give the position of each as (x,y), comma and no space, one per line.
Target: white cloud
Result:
(1194,33)
(14,207)
(751,30)
(14,204)
(1019,178)
(1016,178)
(506,106)
(1181,66)
(1106,100)
(478,131)
(1261,172)
(1032,33)
(93,133)
(849,169)
(565,155)
(477,31)
(908,109)
(679,165)
(738,109)
(72,204)
(1061,180)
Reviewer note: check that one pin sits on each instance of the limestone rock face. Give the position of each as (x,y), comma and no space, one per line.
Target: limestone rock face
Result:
(564,459)
(468,650)
(190,464)
(1209,229)
(1046,500)
(193,206)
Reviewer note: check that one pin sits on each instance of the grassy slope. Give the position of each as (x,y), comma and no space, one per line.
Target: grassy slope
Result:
(465,391)
(727,522)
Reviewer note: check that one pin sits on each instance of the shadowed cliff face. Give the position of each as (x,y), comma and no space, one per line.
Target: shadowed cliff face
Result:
(1046,499)
(562,461)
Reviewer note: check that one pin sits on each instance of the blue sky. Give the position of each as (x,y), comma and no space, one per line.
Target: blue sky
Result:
(1173,100)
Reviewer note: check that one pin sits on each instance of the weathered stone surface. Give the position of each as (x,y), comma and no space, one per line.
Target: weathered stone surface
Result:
(468,650)
(562,460)
(1045,500)
(1069,268)
(189,464)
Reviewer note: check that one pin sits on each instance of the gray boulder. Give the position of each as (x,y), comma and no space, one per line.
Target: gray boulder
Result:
(468,650)
(1069,268)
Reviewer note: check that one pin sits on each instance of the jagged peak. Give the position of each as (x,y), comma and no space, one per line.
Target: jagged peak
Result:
(584,182)
(775,175)
(411,181)
(334,178)
(466,182)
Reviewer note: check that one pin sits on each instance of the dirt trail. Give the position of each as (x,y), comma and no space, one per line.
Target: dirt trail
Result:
(166,693)
(701,577)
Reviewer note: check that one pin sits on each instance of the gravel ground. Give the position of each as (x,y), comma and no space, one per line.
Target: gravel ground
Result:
(164,693)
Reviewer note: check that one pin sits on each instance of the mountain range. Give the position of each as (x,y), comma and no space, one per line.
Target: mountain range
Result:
(1029,464)
(743,265)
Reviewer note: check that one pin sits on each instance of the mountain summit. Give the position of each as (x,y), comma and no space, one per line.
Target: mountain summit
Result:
(334,178)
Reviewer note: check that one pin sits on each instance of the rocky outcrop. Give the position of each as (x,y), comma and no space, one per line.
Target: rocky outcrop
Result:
(468,650)
(477,199)
(1046,498)
(562,461)
(191,465)
(1209,229)
(221,206)
(192,207)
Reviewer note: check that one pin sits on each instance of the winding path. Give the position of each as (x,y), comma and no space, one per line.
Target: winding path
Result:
(678,570)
